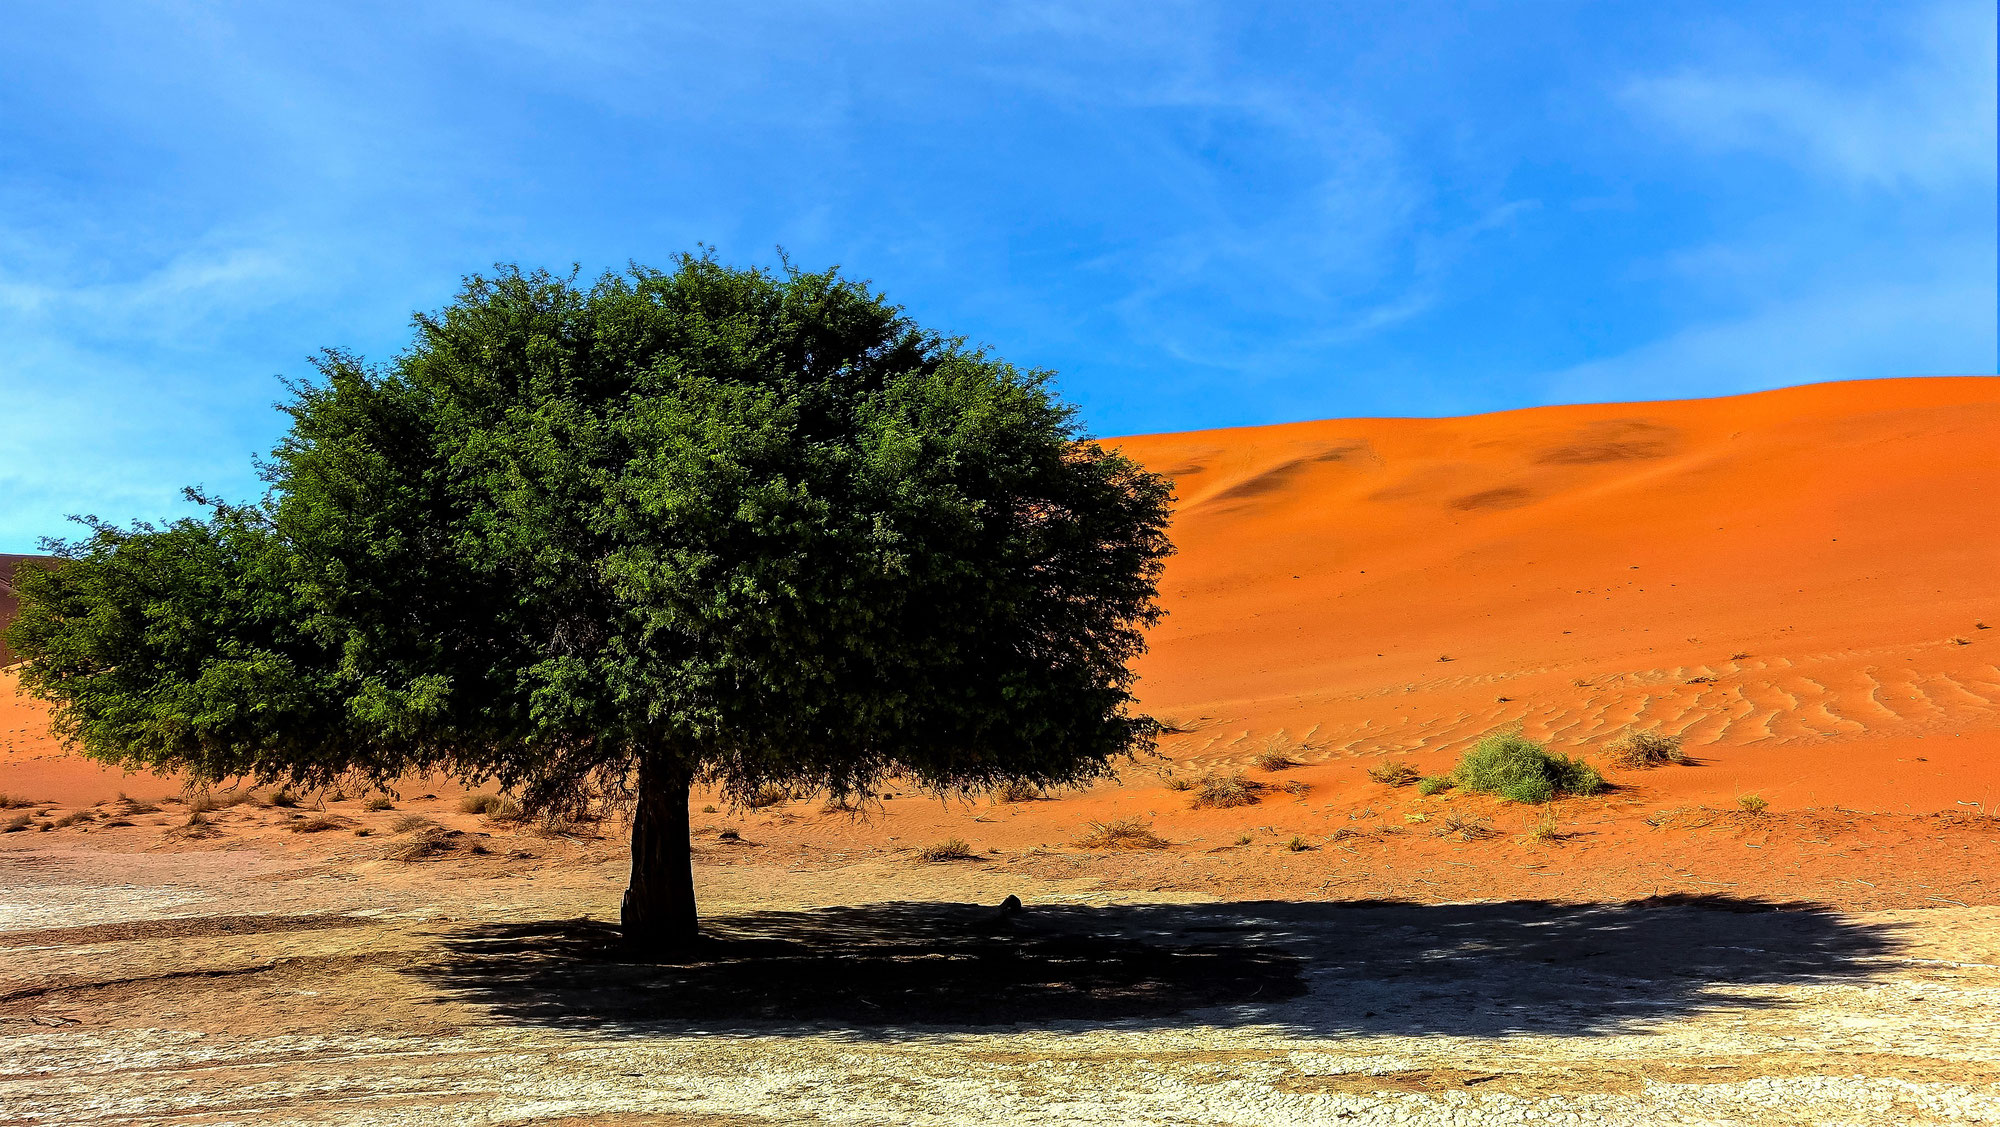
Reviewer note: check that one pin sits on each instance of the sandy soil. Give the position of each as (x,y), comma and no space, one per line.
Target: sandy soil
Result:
(1800,583)
(262,976)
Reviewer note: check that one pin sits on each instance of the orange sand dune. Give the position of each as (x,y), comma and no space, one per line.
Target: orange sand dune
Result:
(1798,581)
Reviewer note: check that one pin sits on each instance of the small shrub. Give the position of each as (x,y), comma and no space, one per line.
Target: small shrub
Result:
(364,831)
(1434,784)
(1519,769)
(1646,749)
(127,807)
(729,835)
(17,823)
(1017,791)
(1274,761)
(1297,844)
(72,818)
(1242,839)
(1394,773)
(10,801)
(318,823)
(1174,725)
(1752,804)
(411,823)
(284,797)
(1179,782)
(1297,789)
(769,794)
(1126,833)
(486,804)
(378,802)
(709,809)
(950,849)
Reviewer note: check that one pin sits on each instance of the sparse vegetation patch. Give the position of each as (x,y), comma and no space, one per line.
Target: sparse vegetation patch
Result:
(1434,784)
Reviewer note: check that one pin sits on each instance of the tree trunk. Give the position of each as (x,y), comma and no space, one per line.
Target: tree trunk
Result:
(659,903)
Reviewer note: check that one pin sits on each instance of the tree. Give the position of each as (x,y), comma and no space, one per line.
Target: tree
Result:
(704,526)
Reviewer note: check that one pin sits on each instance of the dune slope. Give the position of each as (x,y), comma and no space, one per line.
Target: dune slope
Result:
(1800,582)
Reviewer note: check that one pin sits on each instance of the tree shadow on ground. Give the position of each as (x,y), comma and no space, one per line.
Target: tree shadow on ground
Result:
(1313,968)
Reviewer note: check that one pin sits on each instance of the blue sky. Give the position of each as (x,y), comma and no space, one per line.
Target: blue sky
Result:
(1200,214)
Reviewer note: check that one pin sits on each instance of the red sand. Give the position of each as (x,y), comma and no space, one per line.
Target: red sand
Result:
(1798,581)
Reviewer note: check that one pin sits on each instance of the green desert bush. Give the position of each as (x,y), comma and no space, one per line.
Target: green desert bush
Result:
(1394,773)
(1434,784)
(1224,791)
(1752,804)
(1646,749)
(1519,769)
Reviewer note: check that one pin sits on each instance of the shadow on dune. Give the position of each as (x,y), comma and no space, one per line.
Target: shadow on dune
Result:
(1313,968)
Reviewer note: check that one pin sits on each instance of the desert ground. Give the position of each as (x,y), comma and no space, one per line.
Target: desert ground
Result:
(1801,924)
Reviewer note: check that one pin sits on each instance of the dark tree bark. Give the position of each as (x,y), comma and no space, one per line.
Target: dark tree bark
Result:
(659,902)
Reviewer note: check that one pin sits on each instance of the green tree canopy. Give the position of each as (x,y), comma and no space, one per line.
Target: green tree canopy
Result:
(708,525)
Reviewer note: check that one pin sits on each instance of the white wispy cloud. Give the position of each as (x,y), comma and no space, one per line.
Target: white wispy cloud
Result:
(1926,122)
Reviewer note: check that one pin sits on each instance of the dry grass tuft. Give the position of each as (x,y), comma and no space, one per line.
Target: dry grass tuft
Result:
(1297,789)
(410,823)
(496,806)
(1394,773)
(1178,782)
(950,849)
(1752,804)
(1646,749)
(10,801)
(769,794)
(1475,828)
(1544,829)
(284,798)
(318,823)
(378,802)
(1274,761)
(127,807)
(1299,845)
(1224,791)
(17,823)
(1017,791)
(72,818)
(1242,839)
(198,825)
(1126,833)
(431,843)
